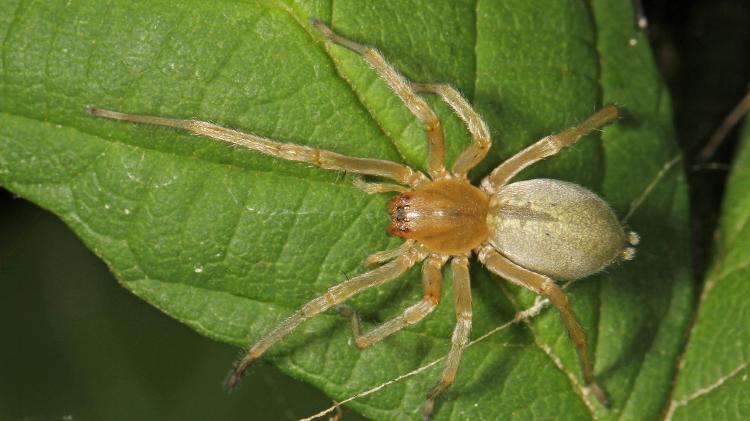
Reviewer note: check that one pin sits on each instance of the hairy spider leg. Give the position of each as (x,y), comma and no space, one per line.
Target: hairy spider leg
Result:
(335,295)
(431,284)
(546,287)
(402,87)
(477,151)
(319,157)
(546,147)
(462,305)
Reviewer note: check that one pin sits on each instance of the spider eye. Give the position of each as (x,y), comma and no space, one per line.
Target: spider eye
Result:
(401,214)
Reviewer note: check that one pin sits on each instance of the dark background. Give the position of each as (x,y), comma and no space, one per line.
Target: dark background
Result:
(76,345)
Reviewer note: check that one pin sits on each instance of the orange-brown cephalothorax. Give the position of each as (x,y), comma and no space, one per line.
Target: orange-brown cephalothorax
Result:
(447,216)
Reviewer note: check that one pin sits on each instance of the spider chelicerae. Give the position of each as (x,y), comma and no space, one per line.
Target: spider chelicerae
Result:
(528,232)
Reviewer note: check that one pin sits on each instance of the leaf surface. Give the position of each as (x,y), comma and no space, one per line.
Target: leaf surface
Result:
(230,242)
(712,381)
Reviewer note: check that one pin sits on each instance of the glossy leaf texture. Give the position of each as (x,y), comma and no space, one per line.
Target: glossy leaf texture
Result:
(713,379)
(230,242)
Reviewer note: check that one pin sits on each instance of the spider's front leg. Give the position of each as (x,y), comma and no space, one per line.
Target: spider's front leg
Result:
(334,296)
(402,87)
(288,151)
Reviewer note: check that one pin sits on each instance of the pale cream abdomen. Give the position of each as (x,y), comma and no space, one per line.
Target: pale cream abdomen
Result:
(554,228)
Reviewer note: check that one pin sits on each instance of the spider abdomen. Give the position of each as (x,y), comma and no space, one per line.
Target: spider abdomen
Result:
(556,228)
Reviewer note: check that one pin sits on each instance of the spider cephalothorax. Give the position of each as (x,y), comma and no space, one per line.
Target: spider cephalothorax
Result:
(526,232)
(447,216)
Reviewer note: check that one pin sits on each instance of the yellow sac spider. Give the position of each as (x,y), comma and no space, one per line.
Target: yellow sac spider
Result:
(528,232)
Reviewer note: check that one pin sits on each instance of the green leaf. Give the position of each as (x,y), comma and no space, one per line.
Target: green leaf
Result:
(230,242)
(712,381)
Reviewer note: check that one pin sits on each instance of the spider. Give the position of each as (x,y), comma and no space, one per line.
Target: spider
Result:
(528,232)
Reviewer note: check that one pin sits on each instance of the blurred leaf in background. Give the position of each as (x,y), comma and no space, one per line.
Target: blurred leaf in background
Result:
(713,377)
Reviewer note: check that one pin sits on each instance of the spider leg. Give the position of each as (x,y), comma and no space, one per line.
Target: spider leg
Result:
(475,153)
(402,87)
(288,151)
(335,295)
(544,286)
(431,279)
(462,303)
(546,147)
